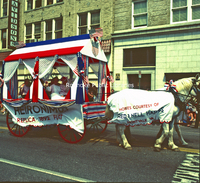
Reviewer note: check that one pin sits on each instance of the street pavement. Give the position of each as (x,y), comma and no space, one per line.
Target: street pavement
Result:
(42,156)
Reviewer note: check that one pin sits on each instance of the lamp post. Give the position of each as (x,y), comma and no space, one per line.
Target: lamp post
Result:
(139,76)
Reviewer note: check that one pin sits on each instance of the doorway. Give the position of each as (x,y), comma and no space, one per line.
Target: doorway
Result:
(143,83)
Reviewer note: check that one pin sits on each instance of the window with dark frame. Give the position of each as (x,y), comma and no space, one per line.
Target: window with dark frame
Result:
(3,38)
(58,28)
(83,23)
(37,31)
(49,30)
(38,3)
(28,33)
(29,4)
(139,57)
(144,83)
(88,20)
(95,20)
(33,32)
(49,2)
(5,7)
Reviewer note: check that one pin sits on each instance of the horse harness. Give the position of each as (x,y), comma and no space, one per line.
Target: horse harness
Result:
(194,100)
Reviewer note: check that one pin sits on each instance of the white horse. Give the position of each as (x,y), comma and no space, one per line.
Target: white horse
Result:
(184,87)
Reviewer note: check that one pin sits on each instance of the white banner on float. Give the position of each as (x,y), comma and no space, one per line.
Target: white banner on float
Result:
(36,114)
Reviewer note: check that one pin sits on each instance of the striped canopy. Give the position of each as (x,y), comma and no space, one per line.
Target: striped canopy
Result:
(62,46)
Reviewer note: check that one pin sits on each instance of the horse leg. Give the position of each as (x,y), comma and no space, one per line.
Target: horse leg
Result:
(160,132)
(178,131)
(128,134)
(121,137)
(108,113)
(119,140)
(159,141)
(171,141)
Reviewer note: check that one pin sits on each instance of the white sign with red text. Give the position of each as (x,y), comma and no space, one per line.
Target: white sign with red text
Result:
(139,107)
(37,114)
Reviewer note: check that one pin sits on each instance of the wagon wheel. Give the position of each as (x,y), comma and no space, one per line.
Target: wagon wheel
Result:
(96,128)
(70,135)
(15,129)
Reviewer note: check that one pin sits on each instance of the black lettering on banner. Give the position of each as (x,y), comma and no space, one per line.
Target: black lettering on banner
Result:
(22,111)
(17,110)
(28,108)
(53,110)
(44,108)
(36,109)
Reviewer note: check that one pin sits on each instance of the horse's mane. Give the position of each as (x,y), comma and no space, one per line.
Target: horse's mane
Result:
(184,85)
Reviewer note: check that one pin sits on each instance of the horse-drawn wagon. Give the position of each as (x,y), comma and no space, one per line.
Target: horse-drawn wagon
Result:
(71,57)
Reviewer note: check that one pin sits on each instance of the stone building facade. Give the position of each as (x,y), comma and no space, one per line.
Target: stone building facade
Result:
(50,19)
(155,41)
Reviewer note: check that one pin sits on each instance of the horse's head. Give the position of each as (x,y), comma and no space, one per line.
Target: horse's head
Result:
(189,88)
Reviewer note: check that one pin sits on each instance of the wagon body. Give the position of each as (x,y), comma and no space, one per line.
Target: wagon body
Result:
(70,57)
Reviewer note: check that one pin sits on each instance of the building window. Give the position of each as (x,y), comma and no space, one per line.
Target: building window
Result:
(32,4)
(3,38)
(58,28)
(28,33)
(29,4)
(139,83)
(37,31)
(49,2)
(88,21)
(33,32)
(139,57)
(48,29)
(4,8)
(139,13)
(38,3)
(185,10)
(53,29)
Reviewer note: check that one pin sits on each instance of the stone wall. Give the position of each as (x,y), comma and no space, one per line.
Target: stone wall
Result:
(158,12)
(122,14)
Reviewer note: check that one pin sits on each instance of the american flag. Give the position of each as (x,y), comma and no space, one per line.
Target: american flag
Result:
(98,32)
(19,44)
(95,47)
(85,78)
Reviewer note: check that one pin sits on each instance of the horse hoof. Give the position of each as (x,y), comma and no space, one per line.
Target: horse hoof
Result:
(156,149)
(176,150)
(184,144)
(128,148)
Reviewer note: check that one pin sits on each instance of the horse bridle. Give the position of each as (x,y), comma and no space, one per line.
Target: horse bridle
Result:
(193,99)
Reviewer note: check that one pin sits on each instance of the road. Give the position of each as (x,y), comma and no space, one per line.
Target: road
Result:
(42,156)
